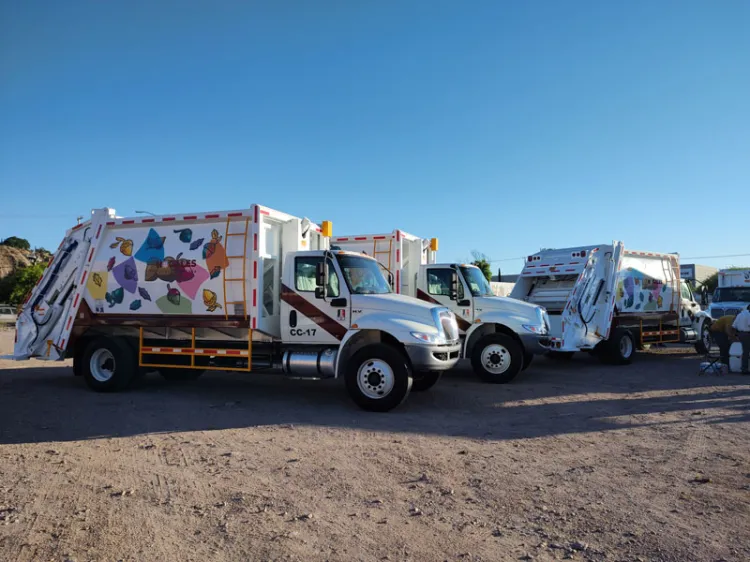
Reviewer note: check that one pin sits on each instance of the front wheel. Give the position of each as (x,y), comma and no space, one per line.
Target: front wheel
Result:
(378,377)
(704,343)
(497,358)
(425,380)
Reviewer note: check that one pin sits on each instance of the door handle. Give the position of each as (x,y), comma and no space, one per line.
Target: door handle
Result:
(293,319)
(464,302)
(339,302)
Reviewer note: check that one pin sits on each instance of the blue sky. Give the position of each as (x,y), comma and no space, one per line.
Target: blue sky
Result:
(496,126)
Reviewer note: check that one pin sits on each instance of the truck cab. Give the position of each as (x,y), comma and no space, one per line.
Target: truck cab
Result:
(500,335)
(732,294)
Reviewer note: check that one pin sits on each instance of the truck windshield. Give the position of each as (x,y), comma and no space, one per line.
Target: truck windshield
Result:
(732,294)
(477,282)
(363,275)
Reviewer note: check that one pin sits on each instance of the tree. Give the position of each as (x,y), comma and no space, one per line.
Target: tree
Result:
(483,263)
(16,242)
(15,287)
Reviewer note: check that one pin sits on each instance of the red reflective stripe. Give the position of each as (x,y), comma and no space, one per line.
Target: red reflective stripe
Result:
(255,270)
(360,237)
(262,212)
(398,281)
(234,214)
(190,217)
(111,223)
(341,239)
(256,213)
(62,344)
(148,220)
(75,301)
(253,323)
(98,231)
(128,222)
(571,269)
(559,264)
(67,326)
(165,219)
(83,277)
(214,216)
(398,236)
(91,254)
(77,226)
(233,352)
(378,237)
(398,255)
(255,242)
(255,297)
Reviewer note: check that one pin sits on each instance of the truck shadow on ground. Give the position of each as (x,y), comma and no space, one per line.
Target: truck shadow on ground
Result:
(49,404)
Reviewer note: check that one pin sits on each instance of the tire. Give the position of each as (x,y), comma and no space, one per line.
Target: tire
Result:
(527,359)
(704,342)
(378,377)
(619,349)
(108,365)
(560,355)
(180,373)
(425,380)
(498,350)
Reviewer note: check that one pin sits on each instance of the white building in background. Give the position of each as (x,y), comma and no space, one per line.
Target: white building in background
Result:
(695,273)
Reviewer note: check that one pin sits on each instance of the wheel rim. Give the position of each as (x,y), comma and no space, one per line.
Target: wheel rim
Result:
(626,347)
(102,365)
(375,379)
(496,359)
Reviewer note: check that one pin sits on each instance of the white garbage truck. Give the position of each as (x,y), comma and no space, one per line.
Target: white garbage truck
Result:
(247,290)
(612,301)
(732,293)
(499,335)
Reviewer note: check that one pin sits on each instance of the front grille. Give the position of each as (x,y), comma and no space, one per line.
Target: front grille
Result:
(729,311)
(717,312)
(448,323)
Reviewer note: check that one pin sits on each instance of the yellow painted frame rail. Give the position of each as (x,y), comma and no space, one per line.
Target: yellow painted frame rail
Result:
(194,352)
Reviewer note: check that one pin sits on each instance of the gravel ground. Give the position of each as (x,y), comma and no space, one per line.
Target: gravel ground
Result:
(574,460)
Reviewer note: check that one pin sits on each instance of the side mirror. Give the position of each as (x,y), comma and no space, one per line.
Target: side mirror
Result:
(321,279)
(454,285)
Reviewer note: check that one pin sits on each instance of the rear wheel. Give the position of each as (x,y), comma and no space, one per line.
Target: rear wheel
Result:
(619,349)
(497,358)
(107,365)
(378,377)
(425,380)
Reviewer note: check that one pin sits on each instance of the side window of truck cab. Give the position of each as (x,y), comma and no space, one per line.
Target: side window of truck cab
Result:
(439,283)
(305,273)
(685,291)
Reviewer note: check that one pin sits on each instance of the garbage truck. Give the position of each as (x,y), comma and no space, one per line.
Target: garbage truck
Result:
(732,293)
(609,300)
(499,335)
(251,290)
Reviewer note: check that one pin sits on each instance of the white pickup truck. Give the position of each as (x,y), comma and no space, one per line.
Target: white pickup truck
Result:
(247,290)
(500,335)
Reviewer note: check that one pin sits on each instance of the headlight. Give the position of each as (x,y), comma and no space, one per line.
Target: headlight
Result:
(540,330)
(436,339)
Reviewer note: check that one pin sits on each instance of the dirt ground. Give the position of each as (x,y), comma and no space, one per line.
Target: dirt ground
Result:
(572,461)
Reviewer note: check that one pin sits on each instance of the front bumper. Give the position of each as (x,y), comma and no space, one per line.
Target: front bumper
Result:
(434,357)
(535,343)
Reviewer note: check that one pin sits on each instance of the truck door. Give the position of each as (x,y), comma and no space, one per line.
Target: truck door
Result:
(688,305)
(307,319)
(436,288)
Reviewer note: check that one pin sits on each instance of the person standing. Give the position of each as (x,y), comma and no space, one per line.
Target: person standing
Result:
(723,333)
(742,325)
